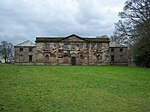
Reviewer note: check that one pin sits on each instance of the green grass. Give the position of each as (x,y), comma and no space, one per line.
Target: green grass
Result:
(74,89)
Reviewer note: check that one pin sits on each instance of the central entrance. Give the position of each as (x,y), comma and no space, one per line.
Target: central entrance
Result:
(73,60)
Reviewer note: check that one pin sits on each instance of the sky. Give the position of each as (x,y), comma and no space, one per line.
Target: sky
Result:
(22,20)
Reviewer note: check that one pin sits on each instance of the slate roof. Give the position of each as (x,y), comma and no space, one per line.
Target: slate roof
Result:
(115,44)
(57,39)
(26,43)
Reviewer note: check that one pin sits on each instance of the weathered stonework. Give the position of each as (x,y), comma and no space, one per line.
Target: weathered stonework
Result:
(22,57)
(118,54)
(71,50)
(25,53)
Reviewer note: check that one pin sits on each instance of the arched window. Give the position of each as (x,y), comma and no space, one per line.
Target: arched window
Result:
(46,58)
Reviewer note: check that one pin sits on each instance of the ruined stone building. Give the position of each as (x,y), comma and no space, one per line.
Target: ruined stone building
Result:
(70,50)
(118,54)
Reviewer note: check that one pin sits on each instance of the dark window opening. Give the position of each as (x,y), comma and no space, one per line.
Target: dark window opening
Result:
(21,49)
(112,49)
(112,57)
(65,54)
(30,49)
(30,58)
(98,57)
(121,49)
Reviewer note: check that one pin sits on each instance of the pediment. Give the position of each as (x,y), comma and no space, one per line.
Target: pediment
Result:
(74,38)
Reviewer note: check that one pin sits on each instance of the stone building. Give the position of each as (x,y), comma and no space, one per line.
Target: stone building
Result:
(118,54)
(25,53)
(70,50)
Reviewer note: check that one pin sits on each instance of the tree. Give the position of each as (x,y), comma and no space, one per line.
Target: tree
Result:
(134,29)
(135,20)
(7,51)
(141,51)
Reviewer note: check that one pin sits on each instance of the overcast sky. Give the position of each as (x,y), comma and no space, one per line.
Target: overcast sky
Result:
(22,20)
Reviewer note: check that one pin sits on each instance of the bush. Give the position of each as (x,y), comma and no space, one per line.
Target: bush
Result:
(141,52)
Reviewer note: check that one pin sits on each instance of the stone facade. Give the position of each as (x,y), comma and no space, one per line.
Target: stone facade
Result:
(71,50)
(118,54)
(25,53)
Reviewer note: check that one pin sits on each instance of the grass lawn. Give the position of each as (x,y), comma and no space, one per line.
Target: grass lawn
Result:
(74,89)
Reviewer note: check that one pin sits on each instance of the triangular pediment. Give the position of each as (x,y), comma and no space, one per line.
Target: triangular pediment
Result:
(73,38)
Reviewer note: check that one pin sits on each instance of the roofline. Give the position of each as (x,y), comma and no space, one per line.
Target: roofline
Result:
(62,40)
(25,46)
(58,39)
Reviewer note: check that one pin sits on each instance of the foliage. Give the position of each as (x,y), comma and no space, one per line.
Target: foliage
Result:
(134,28)
(7,50)
(74,89)
(141,51)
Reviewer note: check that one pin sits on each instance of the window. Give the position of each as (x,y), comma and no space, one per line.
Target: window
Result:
(30,58)
(112,57)
(51,45)
(98,45)
(47,46)
(46,58)
(73,46)
(112,49)
(121,49)
(81,46)
(65,46)
(81,56)
(21,49)
(30,49)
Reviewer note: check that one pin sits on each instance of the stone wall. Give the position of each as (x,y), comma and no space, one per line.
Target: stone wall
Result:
(120,56)
(55,53)
(23,53)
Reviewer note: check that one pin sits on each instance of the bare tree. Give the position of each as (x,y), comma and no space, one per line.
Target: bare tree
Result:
(7,51)
(135,21)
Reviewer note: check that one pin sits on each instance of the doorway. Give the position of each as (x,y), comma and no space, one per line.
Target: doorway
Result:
(30,58)
(73,60)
